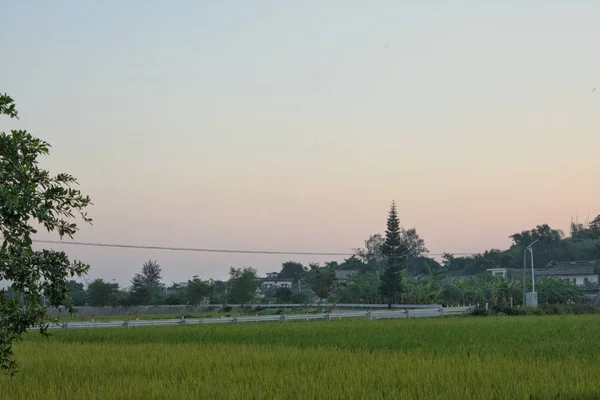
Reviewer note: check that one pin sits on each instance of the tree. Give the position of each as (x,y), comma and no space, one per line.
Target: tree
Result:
(100,293)
(300,298)
(588,231)
(420,265)
(361,289)
(413,242)
(219,294)
(175,295)
(242,285)
(77,293)
(354,263)
(119,298)
(146,287)
(27,194)
(550,246)
(321,281)
(371,254)
(284,295)
(292,270)
(395,252)
(541,232)
(595,224)
(197,290)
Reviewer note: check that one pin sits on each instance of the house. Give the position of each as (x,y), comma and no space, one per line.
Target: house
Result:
(269,285)
(585,274)
(273,282)
(581,273)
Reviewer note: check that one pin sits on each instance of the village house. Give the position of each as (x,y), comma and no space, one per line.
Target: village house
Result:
(585,274)
(273,282)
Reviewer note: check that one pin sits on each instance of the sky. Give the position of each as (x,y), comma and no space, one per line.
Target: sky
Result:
(291,126)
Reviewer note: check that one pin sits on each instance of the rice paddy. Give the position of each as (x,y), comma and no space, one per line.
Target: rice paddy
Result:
(550,357)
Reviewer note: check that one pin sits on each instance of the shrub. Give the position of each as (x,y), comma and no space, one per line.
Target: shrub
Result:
(480,312)
(504,310)
(543,309)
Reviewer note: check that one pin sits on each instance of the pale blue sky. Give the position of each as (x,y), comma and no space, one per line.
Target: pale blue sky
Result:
(283,125)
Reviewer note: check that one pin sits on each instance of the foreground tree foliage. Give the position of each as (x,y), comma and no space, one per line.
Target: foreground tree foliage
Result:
(30,194)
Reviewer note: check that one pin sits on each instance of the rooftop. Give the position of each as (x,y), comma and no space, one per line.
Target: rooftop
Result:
(276,279)
(571,268)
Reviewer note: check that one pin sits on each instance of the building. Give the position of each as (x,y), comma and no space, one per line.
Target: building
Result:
(497,272)
(273,282)
(581,273)
(512,274)
(585,274)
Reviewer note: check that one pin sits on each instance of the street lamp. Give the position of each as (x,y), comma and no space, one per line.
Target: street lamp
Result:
(524,275)
(530,248)
(533,294)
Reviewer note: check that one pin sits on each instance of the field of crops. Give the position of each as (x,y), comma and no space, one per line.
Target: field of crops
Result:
(554,357)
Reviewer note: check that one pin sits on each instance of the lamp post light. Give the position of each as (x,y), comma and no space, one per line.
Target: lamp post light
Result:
(532,298)
(524,275)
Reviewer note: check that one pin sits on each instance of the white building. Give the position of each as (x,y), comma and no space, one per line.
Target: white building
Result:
(512,274)
(581,273)
(584,274)
(273,282)
(497,272)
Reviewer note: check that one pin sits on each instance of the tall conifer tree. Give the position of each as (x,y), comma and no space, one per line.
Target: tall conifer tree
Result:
(395,252)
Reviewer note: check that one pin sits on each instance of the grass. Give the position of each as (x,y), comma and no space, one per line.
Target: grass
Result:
(549,357)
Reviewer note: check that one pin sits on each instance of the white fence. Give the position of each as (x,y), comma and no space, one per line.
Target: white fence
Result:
(413,312)
(116,312)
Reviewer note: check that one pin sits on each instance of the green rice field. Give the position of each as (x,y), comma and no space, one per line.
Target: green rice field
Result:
(550,357)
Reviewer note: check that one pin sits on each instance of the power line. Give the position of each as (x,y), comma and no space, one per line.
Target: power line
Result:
(202,250)
(206,250)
